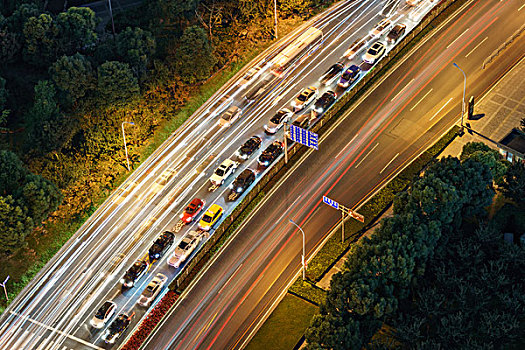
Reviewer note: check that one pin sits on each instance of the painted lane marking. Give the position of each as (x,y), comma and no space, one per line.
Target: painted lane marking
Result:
(471,51)
(403,89)
(449,45)
(422,98)
(358,164)
(450,99)
(386,166)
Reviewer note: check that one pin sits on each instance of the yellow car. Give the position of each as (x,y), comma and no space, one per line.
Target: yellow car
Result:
(210,218)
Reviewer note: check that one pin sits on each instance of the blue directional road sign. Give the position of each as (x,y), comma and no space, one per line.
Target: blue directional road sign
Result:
(304,137)
(330,202)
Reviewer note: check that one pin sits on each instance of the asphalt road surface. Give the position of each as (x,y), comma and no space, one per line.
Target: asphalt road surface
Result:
(416,103)
(54,310)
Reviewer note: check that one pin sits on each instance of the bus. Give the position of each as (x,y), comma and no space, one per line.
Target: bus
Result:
(295,50)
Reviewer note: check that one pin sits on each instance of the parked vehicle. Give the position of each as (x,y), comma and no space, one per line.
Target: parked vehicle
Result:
(306,97)
(324,102)
(349,76)
(374,53)
(117,328)
(152,289)
(104,314)
(271,153)
(134,273)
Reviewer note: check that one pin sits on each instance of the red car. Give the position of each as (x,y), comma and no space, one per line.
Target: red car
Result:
(192,210)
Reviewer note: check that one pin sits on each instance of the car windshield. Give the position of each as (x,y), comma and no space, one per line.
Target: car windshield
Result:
(347,75)
(191,209)
(183,244)
(117,325)
(276,119)
(101,313)
(372,51)
(150,289)
(219,172)
(206,218)
(136,268)
(302,97)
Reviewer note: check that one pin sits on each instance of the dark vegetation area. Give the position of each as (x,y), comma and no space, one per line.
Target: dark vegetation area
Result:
(65,89)
(437,274)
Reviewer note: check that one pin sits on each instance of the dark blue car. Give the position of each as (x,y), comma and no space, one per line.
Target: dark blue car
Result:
(349,76)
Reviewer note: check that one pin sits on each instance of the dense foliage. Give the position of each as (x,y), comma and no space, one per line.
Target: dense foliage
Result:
(437,238)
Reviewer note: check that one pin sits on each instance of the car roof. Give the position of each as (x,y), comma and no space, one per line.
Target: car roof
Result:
(377,45)
(227,162)
(196,201)
(214,208)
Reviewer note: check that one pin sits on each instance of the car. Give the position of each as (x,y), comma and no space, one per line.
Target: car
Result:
(192,210)
(228,117)
(184,249)
(161,245)
(243,181)
(383,26)
(250,76)
(255,93)
(271,153)
(277,121)
(117,328)
(123,192)
(413,2)
(210,218)
(224,170)
(135,273)
(374,53)
(349,76)
(302,121)
(396,33)
(306,97)
(219,106)
(331,75)
(354,49)
(152,289)
(104,314)
(324,102)
(249,147)
(165,176)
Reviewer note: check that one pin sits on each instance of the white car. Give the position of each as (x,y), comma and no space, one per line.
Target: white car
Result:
(382,27)
(186,246)
(104,314)
(305,98)
(277,121)
(252,74)
(374,53)
(152,289)
(219,106)
(224,170)
(228,117)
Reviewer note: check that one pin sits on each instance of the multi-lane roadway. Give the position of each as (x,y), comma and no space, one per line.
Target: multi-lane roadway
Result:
(53,312)
(414,104)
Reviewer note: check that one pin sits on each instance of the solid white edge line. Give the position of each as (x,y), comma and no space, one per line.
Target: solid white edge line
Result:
(386,166)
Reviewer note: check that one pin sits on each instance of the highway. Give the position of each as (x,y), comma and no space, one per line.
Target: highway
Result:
(54,310)
(403,114)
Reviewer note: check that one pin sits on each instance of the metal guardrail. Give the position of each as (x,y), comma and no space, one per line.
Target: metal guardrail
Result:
(503,46)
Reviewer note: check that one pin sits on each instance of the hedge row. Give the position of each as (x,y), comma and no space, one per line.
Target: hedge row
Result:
(333,249)
(154,317)
(308,291)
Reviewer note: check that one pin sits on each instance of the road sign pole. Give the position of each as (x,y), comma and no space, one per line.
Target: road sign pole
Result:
(285,143)
(342,226)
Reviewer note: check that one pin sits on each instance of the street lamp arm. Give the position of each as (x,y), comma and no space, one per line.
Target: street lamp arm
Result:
(304,248)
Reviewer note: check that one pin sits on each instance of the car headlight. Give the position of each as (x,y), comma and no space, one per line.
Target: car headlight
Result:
(123,281)
(294,104)
(156,256)
(266,162)
(231,186)
(239,189)
(319,110)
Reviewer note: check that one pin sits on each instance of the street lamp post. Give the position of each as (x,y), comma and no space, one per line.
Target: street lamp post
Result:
(111,14)
(3,285)
(464,91)
(303,256)
(124,136)
(275,16)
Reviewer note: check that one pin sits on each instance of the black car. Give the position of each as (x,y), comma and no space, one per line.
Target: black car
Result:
(243,181)
(117,328)
(161,245)
(396,33)
(332,74)
(271,153)
(249,147)
(349,76)
(134,273)
(324,102)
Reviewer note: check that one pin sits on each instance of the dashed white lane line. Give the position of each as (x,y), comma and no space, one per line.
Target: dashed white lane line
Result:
(344,148)
(81,341)
(403,89)
(471,51)
(421,99)
(449,45)
(358,164)
(522,6)
(450,99)
(386,166)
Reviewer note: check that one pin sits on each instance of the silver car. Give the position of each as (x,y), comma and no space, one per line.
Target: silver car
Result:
(186,246)
(276,122)
(229,116)
(152,289)
(104,314)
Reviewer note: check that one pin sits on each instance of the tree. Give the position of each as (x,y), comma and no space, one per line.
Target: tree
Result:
(76,28)
(116,82)
(74,76)
(12,173)
(4,112)
(41,46)
(177,9)
(46,128)
(514,183)
(15,225)
(10,45)
(484,154)
(329,331)
(16,22)
(194,59)
(136,47)
(40,196)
